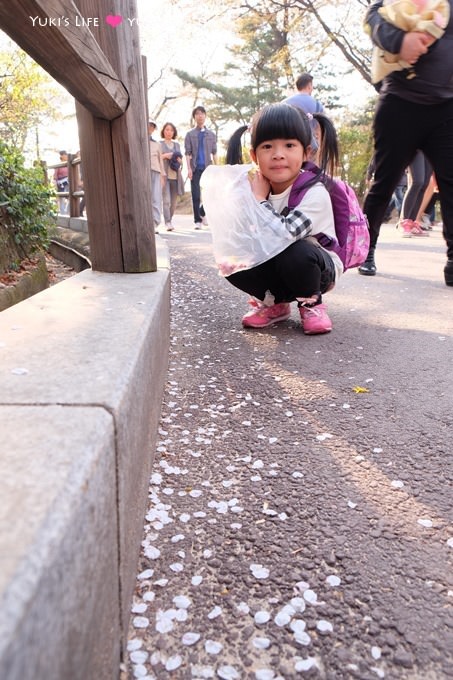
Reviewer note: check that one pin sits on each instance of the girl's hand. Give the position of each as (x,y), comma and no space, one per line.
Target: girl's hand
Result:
(260,186)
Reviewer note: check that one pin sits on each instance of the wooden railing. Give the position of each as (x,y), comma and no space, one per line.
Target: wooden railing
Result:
(101,66)
(75,191)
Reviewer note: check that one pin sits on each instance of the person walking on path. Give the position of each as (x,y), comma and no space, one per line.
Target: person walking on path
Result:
(201,150)
(412,113)
(157,175)
(301,269)
(61,180)
(174,185)
(420,174)
(304,98)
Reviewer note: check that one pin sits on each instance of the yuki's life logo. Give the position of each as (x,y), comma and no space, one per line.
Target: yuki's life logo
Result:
(113,20)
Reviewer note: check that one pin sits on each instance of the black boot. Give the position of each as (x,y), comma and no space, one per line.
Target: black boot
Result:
(368,268)
(448,273)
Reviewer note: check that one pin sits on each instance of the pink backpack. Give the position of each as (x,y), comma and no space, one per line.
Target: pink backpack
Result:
(351,225)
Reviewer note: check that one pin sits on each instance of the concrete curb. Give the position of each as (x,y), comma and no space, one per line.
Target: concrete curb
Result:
(30,283)
(83,370)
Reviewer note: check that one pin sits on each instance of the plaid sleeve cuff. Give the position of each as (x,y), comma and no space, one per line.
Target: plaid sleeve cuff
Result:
(295,221)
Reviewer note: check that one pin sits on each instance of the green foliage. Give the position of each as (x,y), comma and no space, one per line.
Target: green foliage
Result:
(27,207)
(260,62)
(356,147)
(28,97)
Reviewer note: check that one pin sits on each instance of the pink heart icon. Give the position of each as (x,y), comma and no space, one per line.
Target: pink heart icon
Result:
(114,19)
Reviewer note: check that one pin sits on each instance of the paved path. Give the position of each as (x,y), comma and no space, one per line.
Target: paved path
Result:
(300,522)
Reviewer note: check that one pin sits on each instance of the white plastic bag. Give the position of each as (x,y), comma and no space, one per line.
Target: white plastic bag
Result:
(244,232)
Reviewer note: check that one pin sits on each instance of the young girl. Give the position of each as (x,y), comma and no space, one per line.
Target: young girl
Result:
(281,140)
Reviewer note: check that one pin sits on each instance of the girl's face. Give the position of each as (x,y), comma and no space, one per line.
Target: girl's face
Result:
(280,161)
(168,132)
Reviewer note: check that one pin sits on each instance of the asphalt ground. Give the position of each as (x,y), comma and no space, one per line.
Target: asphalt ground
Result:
(300,520)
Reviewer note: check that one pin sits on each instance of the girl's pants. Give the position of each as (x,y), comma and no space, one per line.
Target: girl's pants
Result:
(400,129)
(302,270)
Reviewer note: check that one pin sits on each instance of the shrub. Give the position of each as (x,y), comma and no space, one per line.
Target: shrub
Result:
(27,209)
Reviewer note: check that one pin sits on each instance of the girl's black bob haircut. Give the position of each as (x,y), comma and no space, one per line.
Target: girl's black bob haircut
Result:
(284,121)
(280,121)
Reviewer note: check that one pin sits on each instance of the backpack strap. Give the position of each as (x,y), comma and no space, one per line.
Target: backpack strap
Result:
(310,175)
(306,179)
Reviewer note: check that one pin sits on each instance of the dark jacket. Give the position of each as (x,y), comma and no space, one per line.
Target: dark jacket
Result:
(433,81)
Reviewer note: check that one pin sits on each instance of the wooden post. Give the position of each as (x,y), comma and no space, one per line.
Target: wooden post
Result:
(74,181)
(115,154)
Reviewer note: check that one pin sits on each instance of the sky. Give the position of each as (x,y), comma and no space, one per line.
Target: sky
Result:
(168,41)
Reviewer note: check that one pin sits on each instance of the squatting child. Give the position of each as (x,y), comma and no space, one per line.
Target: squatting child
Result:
(294,266)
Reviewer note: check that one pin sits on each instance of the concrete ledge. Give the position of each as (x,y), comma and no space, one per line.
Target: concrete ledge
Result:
(74,223)
(93,350)
(59,608)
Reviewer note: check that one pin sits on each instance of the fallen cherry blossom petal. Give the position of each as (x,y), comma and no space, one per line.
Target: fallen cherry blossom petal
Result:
(173,662)
(333,580)
(322,437)
(310,596)
(305,664)
(228,673)
(214,613)
(190,638)
(324,626)
(259,571)
(182,601)
(261,643)
(134,644)
(139,656)
(302,637)
(262,617)
(140,671)
(145,574)
(424,522)
(213,647)
(140,622)
(264,674)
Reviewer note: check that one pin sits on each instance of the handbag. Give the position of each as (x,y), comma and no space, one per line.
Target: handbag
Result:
(174,161)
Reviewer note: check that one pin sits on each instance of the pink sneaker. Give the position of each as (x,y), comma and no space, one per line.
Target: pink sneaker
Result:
(411,228)
(315,319)
(262,317)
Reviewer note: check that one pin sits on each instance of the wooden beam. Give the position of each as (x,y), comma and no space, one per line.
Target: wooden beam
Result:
(56,35)
(115,156)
